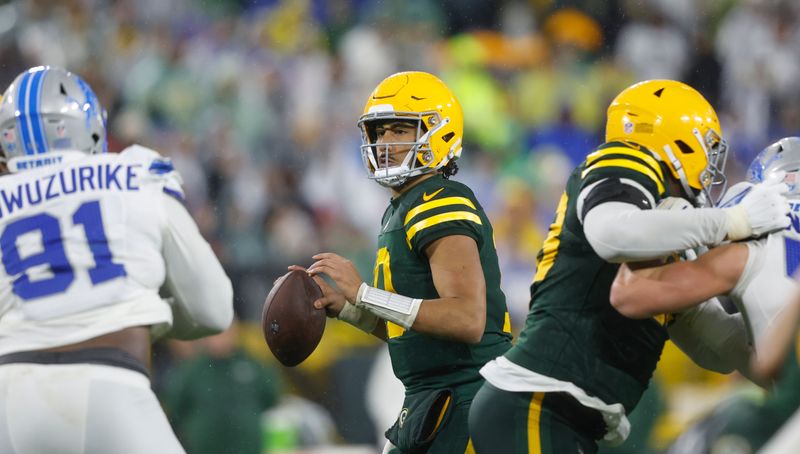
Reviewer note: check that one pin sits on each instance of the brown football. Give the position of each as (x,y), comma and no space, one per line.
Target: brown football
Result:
(292,326)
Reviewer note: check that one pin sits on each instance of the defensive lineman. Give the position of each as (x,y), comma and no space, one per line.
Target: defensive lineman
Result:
(87,240)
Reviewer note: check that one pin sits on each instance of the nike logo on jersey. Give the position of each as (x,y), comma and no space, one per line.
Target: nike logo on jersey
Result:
(426,197)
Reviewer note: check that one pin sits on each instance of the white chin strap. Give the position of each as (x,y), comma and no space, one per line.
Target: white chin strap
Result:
(676,164)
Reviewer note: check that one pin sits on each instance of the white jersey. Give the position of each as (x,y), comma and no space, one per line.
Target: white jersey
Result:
(83,249)
(766,283)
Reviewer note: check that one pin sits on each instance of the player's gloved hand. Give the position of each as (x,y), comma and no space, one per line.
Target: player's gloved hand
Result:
(762,210)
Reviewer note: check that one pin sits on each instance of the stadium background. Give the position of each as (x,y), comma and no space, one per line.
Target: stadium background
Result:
(256,103)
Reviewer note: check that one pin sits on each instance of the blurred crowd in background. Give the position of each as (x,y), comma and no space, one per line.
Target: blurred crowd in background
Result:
(256,103)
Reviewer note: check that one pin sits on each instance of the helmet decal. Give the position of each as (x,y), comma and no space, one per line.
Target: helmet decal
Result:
(48,110)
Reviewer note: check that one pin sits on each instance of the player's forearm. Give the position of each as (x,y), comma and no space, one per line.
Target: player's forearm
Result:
(462,319)
(202,292)
(620,232)
(458,319)
(675,287)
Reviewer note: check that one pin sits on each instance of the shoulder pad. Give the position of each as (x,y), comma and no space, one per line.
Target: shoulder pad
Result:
(159,169)
(735,194)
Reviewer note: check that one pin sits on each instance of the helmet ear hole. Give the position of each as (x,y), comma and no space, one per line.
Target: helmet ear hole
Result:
(448,136)
(685,149)
(96,137)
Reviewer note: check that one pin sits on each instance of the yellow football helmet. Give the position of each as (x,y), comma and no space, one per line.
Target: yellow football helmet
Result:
(676,123)
(424,100)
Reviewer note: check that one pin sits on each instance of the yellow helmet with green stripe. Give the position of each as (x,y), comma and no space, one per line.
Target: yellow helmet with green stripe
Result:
(677,123)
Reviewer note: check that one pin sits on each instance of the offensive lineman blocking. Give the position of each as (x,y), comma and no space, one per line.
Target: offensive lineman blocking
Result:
(579,366)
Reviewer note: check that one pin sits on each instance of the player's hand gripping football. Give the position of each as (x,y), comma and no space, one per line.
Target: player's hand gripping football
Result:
(344,275)
(764,209)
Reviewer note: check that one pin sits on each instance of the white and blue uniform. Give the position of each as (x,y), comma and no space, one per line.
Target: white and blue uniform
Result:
(86,245)
(766,283)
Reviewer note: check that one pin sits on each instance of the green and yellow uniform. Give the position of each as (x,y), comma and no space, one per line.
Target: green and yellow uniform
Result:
(572,333)
(433,209)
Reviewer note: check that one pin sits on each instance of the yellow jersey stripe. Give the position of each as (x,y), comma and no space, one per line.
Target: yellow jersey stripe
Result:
(534,415)
(625,163)
(382,265)
(394,330)
(507,323)
(644,156)
(551,243)
(440,218)
(436,204)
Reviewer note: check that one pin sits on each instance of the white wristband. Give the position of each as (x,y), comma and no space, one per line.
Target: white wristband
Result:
(358,317)
(399,309)
(738,223)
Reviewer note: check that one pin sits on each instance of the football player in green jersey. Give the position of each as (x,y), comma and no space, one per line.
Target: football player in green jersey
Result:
(579,366)
(757,275)
(435,293)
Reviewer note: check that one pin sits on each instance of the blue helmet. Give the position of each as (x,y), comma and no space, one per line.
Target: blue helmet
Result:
(50,110)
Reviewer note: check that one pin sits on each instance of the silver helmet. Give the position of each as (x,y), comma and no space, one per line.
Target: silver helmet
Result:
(50,110)
(783,155)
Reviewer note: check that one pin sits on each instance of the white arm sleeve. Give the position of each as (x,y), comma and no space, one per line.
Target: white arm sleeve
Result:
(620,232)
(202,293)
(713,338)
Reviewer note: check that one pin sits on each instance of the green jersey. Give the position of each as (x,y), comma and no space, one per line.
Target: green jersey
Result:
(572,333)
(433,209)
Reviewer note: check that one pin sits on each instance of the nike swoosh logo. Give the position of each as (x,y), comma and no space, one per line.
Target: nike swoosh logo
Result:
(426,197)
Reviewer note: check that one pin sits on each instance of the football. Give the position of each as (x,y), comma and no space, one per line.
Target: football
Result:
(291,325)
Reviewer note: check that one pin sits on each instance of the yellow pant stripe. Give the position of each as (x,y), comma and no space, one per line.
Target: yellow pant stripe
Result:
(648,159)
(438,203)
(441,413)
(628,164)
(440,218)
(534,414)
(470,449)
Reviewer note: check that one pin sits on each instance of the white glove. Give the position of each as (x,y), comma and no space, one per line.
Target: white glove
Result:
(762,210)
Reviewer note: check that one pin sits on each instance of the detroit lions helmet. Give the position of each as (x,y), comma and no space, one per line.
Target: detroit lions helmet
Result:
(428,104)
(49,111)
(678,124)
(781,156)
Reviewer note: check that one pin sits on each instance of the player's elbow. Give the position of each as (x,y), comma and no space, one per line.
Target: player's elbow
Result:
(223,318)
(624,302)
(473,329)
(473,335)
(217,313)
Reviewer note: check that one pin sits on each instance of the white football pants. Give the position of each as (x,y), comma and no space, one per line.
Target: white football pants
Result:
(80,409)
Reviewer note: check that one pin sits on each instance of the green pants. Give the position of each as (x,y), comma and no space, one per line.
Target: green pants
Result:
(453,438)
(535,423)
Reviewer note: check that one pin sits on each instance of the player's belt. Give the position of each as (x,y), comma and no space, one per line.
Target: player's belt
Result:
(585,420)
(106,356)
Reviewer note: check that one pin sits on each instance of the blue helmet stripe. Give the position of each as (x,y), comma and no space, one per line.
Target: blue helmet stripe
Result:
(36,120)
(22,117)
